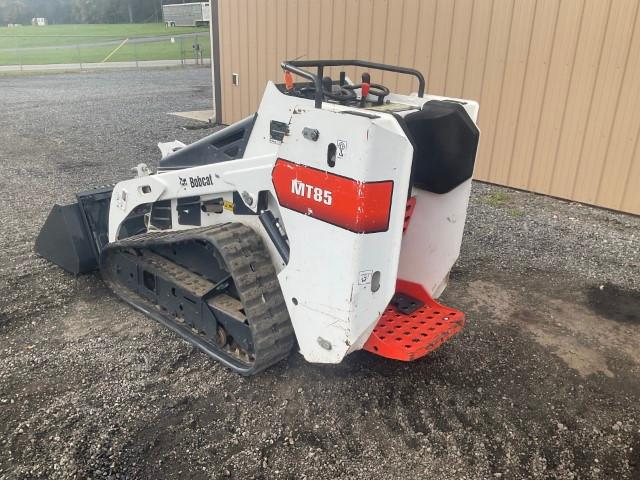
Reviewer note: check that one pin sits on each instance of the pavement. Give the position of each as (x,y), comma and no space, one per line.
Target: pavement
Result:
(197,115)
(542,383)
(64,67)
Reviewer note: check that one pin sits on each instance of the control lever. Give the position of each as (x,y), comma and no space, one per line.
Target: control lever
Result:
(366,85)
(327,84)
(340,93)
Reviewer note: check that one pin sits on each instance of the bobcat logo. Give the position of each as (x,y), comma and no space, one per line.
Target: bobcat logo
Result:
(196,182)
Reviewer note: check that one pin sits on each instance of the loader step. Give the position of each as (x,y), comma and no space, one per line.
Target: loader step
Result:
(413,325)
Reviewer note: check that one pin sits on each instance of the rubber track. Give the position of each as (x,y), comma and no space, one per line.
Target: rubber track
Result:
(249,263)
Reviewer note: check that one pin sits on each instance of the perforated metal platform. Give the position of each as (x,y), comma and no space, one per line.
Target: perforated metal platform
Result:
(413,325)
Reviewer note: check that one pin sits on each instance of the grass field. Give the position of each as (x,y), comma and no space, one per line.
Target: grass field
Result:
(93,43)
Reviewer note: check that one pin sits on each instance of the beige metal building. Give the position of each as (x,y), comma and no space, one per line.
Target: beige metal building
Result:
(558,81)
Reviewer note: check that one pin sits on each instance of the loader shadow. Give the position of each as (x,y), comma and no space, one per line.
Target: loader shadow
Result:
(364,365)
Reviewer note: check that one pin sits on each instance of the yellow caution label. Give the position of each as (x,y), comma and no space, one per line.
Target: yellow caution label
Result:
(228,205)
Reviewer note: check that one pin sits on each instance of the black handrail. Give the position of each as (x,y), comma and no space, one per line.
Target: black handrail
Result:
(296,66)
(316,79)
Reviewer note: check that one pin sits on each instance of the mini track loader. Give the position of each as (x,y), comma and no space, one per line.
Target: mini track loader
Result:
(329,220)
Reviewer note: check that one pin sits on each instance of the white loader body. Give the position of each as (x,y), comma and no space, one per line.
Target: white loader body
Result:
(328,283)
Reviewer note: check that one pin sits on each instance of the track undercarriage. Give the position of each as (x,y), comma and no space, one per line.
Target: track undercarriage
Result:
(214,286)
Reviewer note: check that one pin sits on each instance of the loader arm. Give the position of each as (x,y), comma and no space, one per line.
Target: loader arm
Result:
(247,175)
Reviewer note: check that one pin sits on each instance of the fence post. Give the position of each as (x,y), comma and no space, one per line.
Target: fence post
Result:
(19,53)
(135,52)
(79,56)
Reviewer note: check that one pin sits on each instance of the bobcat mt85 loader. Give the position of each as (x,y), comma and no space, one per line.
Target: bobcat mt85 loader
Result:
(328,222)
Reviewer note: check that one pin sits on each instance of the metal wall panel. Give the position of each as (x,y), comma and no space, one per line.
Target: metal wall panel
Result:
(557,80)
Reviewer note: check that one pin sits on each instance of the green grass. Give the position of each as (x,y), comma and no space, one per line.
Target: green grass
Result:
(29,36)
(19,45)
(497,199)
(502,200)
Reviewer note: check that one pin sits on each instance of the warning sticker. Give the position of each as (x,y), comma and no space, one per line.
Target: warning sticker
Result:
(342,146)
(364,277)
(228,205)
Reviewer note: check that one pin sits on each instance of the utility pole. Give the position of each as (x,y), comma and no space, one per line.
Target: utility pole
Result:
(130,11)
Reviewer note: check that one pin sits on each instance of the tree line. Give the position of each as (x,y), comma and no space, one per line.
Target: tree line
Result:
(83,11)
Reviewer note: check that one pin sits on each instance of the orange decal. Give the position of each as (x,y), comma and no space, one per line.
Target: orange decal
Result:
(361,207)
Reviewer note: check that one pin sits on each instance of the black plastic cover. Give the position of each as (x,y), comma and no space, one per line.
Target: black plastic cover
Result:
(445,142)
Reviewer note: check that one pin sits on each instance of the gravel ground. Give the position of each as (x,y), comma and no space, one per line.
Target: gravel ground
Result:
(542,383)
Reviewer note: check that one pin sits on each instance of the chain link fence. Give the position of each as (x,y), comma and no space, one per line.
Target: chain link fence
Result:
(53,52)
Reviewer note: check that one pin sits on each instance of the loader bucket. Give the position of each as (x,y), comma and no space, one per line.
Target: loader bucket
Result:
(64,241)
(73,235)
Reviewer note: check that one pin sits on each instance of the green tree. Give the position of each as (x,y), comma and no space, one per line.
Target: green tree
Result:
(13,11)
(22,11)
(111,11)
(82,11)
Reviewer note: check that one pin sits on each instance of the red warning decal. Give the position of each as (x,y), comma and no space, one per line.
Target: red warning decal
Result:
(362,207)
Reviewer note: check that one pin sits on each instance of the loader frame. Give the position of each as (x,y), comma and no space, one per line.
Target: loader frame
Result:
(354,195)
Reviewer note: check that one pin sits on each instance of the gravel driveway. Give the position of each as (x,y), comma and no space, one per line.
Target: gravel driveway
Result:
(544,381)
